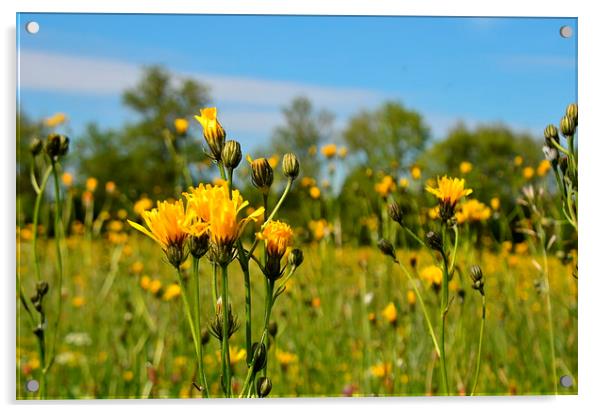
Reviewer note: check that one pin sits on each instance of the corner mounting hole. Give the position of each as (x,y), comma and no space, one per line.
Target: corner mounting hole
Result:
(32,386)
(566,31)
(566,381)
(32,27)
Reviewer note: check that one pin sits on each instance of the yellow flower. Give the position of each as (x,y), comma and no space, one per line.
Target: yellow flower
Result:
(518,160)
(285,358)
(342,152)
(212,131)
(385,187)
(237,354)
(380,370)
(543,167)
(528,172)
(314,192)
(137,267)
(306,181)
(78,301)
(172,291)
(329,150)
(210,209)
(411,297)
(432,275)
(449,191)
(434,212)
(91,184)
(67,179)
(277,236)
(273,161)
(415,172)
(404,183)
(181,125)
(473,211)
(55,120)
(495,203)
(154,286)
(465,167)
(128,375)
(110,187)
(143,204)
(521,248)
(145,282)
(164,224)
(390,313)
(320,229)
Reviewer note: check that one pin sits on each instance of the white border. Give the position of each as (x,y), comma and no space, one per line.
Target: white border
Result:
(590,70)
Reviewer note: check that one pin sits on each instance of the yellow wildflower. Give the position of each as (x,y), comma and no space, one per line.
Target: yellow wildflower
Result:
(154,286)
(518,160)
(181,125)
(273,161)
(285,358)
(172,291)
(404,183)
(411,297)
(137,267)
(465,167)
(55,120)
(128,375)
(329,150)
(343,152)
(415,172)
(277,236)
(432,275)
(110,187)
(380,370)
(164,224)
(212,131)
(495,203)
(306,181)
(543,167)
(473,211)
(143,204)
(320,229)
(390,313)
(78,301)
(449,190)
(528,172)
(386,186)
(67,179)
(314,192)
(145,282)
(91,184)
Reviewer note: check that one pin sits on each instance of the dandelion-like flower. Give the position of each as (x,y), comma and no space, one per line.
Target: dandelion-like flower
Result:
(165,226)
(329,151)
(449,191)
(278,237)
(214,133)
(473,211)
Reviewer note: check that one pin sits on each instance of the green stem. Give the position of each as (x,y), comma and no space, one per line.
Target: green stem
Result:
(214,293)
(443,314)
(476,374)
(549,308)
(36,218)
(455,250)
(197,311)
(289,184)
(188,310)
(225,329)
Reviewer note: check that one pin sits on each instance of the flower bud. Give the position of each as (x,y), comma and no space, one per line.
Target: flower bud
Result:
(262,174)
(261,357)
(36,146)
(264,386)
(42,288)
(434,241)
(387,248)
(290,165)
(551,133)
(175,255)
(231,154)
(572,112)
(295,258)
(564,164)
(476,274)
(395,212)
(567,126)
(57,145)
(551,154)
(199,246)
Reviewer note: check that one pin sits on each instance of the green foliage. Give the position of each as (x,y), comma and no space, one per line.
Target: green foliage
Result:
(137,157)
(389,138)
(491,149)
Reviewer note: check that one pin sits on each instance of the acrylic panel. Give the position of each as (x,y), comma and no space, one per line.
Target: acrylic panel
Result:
(295,206)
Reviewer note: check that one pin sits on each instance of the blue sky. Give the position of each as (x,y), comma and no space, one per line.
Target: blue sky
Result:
(518,71)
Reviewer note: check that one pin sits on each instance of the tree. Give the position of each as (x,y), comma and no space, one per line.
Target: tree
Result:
(388,138)
(138,157)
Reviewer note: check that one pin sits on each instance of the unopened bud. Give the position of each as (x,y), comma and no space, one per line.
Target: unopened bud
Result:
(476,274)
(175,255)
(264,386)
(231,154)
(572,112)
(262,174)
(295,258)
(42,288)
(57,145)
(567,126)
(387,248)
(564,164)
(290,165)
(395,212)
(434,241)
(199,246)
(261,357)
(36,146)
(551,133)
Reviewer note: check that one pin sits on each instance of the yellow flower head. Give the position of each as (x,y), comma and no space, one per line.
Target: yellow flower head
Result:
(91,184)
(285,358)
(137,267)
(465,167)
(181,125)
(314,192)
(145,282)
(432,275)
(404,183)
(329,150)
(110,187)
(307,181)
(172,291)
(380,370)
(390,313)
(473,211)
(214,133)
(528,172)
(343,152)
(78,301)
(164,224)
(277,236)
(411,297)
(518,160)
(154,286)
(415,172)
(385,187)
(67,179)
(210,209)
(320,229)
(449,190)
(543,167)
(495,203)
(55,120)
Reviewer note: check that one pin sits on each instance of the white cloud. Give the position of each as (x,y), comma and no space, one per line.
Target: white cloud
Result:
(88,75)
